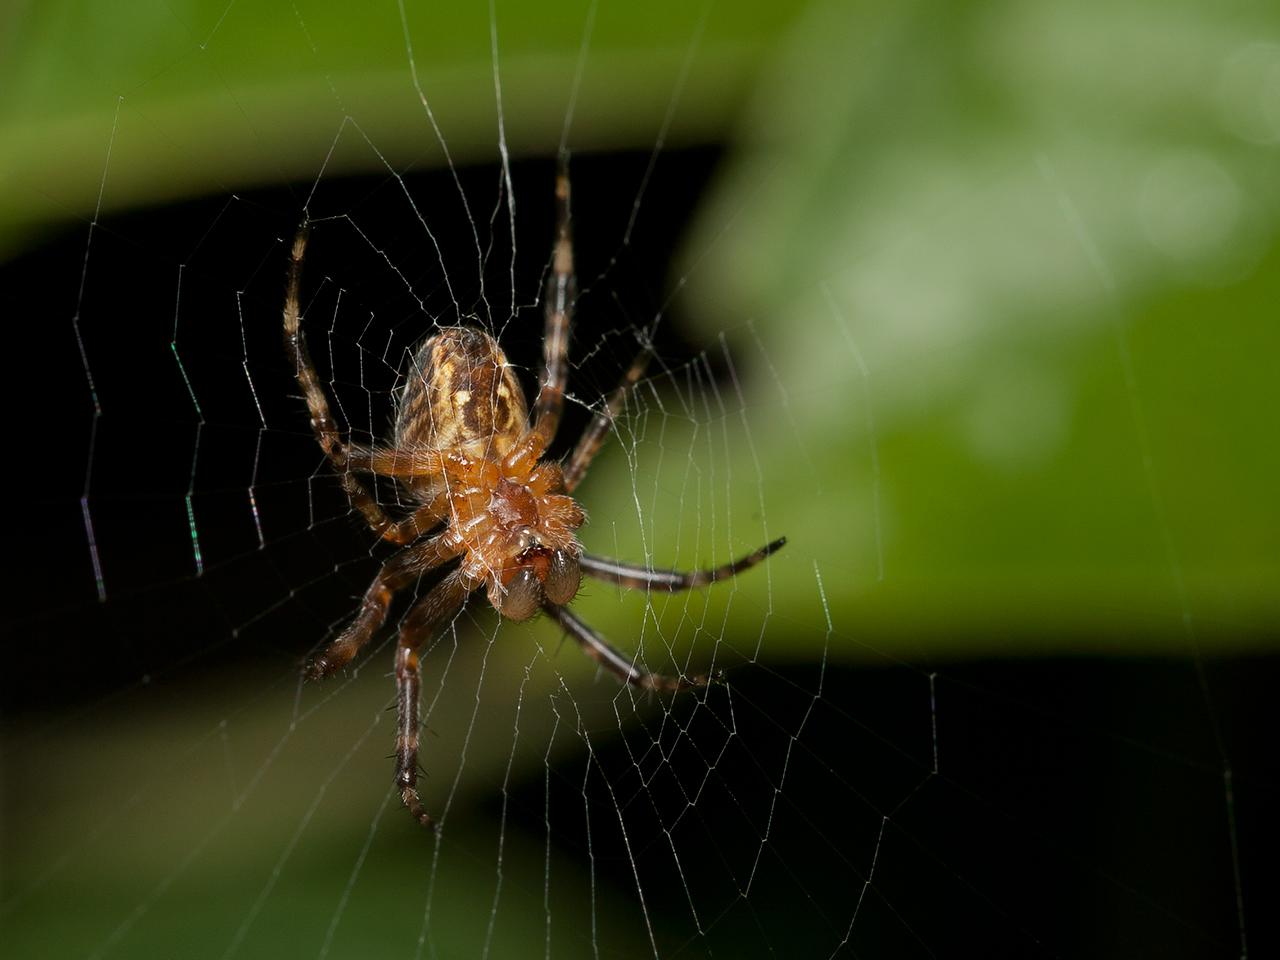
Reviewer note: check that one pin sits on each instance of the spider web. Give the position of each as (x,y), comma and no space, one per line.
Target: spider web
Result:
(847,789)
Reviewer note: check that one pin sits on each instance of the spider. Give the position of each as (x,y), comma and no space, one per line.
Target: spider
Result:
(469,456)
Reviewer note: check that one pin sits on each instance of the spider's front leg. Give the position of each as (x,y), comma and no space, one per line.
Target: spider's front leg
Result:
(635,577)
(614,660)
(441,603)
(400,570)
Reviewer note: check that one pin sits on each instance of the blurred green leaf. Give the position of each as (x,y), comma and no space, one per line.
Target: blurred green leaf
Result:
(213,96)
(1012,268)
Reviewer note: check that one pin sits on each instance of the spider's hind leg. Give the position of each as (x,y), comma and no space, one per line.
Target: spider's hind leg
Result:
(562,291)
(304,370)
(597,431)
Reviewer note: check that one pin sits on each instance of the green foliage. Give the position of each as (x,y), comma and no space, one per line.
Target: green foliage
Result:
(999,277)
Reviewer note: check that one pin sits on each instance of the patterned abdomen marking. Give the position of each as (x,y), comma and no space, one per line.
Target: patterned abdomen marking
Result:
(461,394)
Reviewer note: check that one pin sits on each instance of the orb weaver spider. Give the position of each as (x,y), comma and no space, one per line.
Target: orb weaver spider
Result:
(468,453)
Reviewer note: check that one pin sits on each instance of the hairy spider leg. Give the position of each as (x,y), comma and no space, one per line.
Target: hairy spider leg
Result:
(443,601)
(322,422)
(597,431)
(635,577)
(397,463)
(399,570)
(423,520)
(562,291)
(614,660)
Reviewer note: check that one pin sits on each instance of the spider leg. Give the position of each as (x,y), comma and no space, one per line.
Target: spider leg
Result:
(441,603)
(635,577)
(558,307)
(421,521)
(322,422)
(593,437)
(614,660)
(399,570)
(403,464)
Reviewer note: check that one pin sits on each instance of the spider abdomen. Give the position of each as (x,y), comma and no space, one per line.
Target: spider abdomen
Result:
(461,394)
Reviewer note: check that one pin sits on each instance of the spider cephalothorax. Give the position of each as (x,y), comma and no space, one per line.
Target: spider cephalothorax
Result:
(489,507)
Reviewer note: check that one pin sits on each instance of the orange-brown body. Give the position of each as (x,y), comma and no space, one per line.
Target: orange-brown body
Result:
(507,513)
(466,449)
